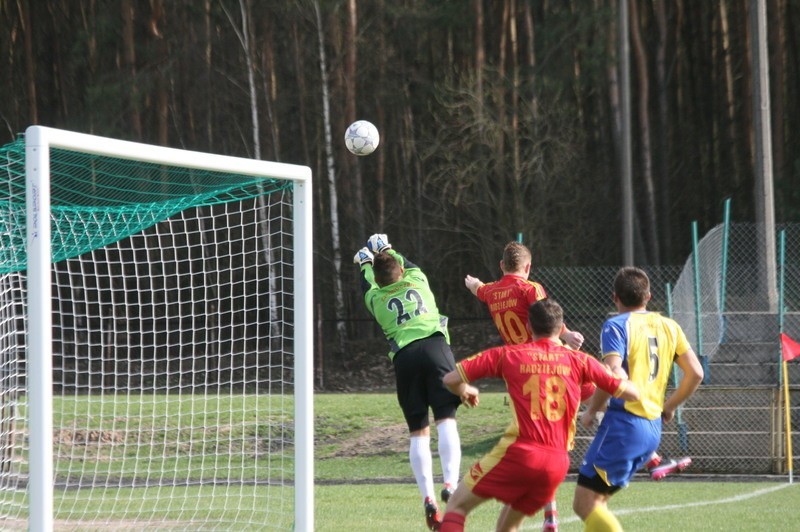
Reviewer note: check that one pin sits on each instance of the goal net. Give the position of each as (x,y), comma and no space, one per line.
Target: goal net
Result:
(155,338)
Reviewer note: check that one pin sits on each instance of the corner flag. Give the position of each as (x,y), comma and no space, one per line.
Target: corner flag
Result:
(789,347)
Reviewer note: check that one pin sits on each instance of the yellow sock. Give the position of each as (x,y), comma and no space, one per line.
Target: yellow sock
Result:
(601,520)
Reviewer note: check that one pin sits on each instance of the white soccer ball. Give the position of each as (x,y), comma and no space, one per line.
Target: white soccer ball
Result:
(361,138)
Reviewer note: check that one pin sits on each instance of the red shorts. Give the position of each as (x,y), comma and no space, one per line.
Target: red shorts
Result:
(523,475)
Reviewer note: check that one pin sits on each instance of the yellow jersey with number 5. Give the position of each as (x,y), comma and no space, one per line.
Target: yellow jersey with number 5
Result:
(648,344)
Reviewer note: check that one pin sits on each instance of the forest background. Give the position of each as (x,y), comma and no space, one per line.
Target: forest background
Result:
(499,119)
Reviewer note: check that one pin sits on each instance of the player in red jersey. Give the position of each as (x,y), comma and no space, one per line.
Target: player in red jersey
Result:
(509,298)
(508,301)
(531,459)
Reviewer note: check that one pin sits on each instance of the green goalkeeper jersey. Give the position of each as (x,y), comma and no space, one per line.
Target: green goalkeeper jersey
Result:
(405,310)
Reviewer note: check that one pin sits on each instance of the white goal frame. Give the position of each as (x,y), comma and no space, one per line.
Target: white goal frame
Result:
(38,141)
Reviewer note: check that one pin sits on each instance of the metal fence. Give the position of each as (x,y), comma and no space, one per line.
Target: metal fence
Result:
(735,422)
(732,311)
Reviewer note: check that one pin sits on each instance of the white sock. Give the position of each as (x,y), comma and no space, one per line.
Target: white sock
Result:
(449,451)
(419,454)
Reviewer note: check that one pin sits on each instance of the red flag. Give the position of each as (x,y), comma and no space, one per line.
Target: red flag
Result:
(790,348)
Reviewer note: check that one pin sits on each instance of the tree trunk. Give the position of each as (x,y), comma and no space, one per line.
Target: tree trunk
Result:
(612,76)
(776,10)
(518,213)
(499,172)
(730,98)
(268,80)
(30,60)
(380,174)
(129,55)
(530,56)
(162,83)
(663,129)
(58,67)
(207,64)
(350,62)
(89,21)
(480,54)
(338,292)
(619,94)
(246,38)
(351,98)
(644,135)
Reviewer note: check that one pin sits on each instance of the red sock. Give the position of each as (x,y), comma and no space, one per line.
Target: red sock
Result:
(453,522)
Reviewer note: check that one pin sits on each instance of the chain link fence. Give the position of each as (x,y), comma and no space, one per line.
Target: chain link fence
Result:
(735,422)
(730,311)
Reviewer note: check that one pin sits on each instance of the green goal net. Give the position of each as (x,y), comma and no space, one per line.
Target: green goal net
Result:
(160,380)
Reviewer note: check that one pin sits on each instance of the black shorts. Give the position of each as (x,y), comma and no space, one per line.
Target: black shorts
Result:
(597,485)
(419,368)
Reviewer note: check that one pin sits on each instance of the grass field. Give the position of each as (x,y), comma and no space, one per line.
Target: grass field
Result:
(365,482)
(644,505)
(363,479)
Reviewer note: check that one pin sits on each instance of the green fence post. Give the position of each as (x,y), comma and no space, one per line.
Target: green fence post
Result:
(723,282)
(698,307)
(781,266)
(683,429)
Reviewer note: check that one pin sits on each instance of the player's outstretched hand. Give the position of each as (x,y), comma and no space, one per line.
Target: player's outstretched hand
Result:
(470,396)
(588,418)
(472,283)
(378,242)
(573,339)
(363,256)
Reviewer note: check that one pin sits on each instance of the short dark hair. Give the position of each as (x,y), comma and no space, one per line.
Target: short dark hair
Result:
(546,317)
(515,256)
(632,286)
(387,269)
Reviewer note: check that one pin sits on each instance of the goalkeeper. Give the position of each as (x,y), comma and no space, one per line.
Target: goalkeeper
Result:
(397,294)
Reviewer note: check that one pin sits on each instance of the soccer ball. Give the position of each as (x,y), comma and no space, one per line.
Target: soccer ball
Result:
(361,138)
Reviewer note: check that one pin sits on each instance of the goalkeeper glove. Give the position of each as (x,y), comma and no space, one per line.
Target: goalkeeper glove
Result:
(363,256)
(378,242)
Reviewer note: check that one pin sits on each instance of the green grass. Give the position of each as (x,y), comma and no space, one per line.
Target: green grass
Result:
(183,508)
(342,419)
(142,435)
(364,481)
(344,502)
(643,506)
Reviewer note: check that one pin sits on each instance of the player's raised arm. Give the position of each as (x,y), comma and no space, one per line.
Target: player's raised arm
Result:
(468,394)
(378,243)
(362,258)
(472,283)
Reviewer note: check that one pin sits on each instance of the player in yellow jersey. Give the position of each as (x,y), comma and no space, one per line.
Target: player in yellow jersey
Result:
(642,345)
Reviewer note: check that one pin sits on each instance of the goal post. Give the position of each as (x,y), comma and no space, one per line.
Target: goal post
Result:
(167,376)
